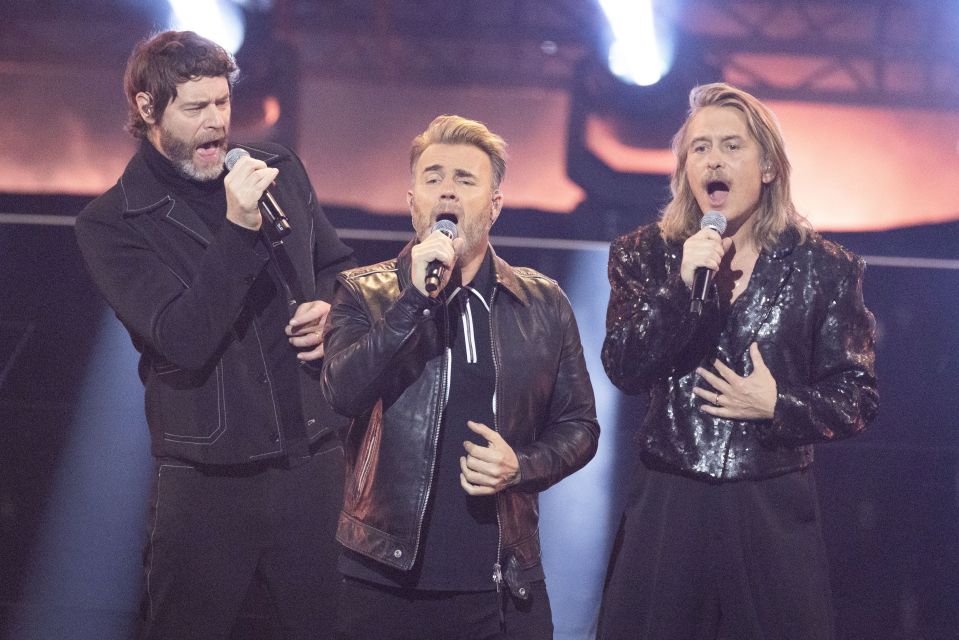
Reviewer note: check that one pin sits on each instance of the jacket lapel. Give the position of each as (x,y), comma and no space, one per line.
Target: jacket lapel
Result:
(772,272)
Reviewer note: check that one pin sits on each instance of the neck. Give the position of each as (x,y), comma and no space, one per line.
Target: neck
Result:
(470,265)
(742,234)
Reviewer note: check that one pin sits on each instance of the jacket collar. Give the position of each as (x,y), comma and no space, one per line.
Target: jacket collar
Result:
(506,276)
(143,194)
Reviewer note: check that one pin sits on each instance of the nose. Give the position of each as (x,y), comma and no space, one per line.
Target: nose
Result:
(214,117)
(714,160)
(448,191)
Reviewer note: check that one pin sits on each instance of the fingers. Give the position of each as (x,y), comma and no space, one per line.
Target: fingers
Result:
(435,246)
(305,329)
(757,357)
(309,317)
(487,469)
(245,184)
(705,248)
(714,381)
(484,431)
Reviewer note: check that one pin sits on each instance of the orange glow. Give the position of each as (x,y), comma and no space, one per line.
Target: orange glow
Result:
(854,168)
(271,111)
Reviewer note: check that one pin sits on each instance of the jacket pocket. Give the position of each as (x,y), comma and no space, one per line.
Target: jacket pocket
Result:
(188,410)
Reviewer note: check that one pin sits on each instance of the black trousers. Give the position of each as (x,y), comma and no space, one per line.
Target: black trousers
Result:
(374,612)
(211,530)
(733,561)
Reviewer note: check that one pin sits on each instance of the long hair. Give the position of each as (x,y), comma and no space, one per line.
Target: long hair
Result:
(161,62)
(458,130)
(775,211)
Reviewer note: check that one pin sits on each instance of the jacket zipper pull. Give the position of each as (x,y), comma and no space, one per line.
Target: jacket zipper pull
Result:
(497,576)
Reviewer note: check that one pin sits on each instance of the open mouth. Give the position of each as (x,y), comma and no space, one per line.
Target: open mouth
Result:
(718,191)
(210,150)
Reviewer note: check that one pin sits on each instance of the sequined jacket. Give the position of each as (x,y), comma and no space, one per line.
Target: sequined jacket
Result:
(803,306)
(387,358)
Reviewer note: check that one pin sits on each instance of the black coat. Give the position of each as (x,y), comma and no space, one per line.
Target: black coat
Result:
(386,367)
(182,292)
(804,308)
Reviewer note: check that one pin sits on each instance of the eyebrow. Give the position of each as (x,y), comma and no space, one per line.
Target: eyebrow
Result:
(734,136)
(458,173)
(203,103)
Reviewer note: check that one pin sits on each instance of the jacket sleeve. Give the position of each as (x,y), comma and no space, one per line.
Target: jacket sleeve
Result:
(841,397)
(570,436)
(361,352)
(648,321)
(185,322)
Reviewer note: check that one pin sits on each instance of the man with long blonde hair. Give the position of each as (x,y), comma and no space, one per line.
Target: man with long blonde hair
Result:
(744,373)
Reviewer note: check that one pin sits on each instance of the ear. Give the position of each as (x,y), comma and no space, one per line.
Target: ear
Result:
(409,201)
(768,174)
(496,206)
(145,107)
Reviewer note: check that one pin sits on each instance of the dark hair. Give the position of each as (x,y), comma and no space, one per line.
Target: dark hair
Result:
(161,62)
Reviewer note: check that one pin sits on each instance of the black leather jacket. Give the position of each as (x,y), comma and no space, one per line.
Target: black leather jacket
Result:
(386,367)
(803,306)
(183,294)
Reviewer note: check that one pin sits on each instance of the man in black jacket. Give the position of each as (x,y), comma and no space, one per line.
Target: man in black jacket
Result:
(721,535)
(228,320)
(466,402)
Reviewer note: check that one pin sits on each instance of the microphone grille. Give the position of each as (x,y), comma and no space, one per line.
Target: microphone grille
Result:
(714,220)
(233,156)
(447,227)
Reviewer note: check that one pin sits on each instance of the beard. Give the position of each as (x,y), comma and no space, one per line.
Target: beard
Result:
(472,229)
(180,152)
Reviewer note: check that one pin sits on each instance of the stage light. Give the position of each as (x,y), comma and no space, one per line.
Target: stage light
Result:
(637,55)
(219,20)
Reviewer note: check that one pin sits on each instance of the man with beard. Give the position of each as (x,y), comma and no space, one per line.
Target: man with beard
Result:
(466,401)
(228,321)
(721,535)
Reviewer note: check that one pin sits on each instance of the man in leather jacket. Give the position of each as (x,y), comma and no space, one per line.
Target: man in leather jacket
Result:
(466,401)
(721,535)
(228,322)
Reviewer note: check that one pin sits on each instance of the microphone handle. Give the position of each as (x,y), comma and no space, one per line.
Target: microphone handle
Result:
(434,274)
(701,281)
(273,213)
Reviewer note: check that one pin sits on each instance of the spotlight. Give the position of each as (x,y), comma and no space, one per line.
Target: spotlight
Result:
(219,20)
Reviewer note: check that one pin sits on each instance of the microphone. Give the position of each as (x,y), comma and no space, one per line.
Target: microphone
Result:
(445,224)
(717,222)
(269,208)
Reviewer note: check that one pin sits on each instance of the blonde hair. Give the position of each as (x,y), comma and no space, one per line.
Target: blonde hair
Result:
(458,130)
(775,211)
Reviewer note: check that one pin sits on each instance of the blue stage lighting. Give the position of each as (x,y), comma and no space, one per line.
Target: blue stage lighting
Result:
(639,53)
(221,21)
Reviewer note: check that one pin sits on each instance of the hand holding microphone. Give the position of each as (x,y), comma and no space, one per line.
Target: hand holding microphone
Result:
(702,254)
(435,256)
(249,187)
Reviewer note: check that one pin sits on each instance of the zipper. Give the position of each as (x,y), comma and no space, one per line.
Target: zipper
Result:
(444,393)
(365,469)
(497,566)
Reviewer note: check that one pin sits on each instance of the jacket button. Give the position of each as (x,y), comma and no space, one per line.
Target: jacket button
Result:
(311,422)
(426,313)
(397,553)
(522,592)
(291,302)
